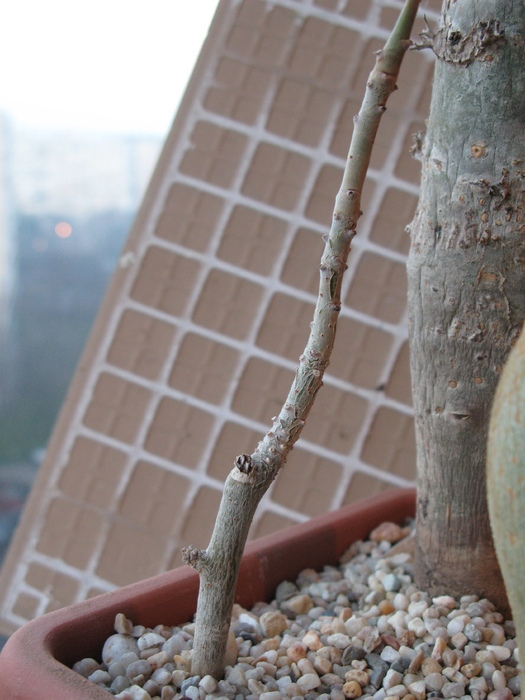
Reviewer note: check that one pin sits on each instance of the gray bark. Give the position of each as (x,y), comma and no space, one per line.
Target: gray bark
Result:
(466,286)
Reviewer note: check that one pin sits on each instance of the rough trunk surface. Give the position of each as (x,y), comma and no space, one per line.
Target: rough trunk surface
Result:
(466,283)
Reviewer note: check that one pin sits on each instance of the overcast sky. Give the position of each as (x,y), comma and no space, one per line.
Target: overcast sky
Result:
(104,65)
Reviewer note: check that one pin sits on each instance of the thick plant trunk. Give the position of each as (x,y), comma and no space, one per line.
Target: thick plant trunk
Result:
(466,283)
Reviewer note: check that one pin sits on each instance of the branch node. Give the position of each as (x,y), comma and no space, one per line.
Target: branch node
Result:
(193,557)
(244,464)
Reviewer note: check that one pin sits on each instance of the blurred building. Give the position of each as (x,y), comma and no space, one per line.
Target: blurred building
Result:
(80,173)
(7,255)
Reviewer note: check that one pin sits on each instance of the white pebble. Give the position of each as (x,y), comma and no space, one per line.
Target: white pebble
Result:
(392,678)
(116,646)
(236,675)
(354,625)
(391,583)
(339,641)
(305,666)
(398,619)
(270,695)
(208,684)
(309,681)
(498,680)
(445,600)
(397,691)
(417,608)
(270,656)
(283,683)
(86,667)
(250,620)
(457,624)
(500,652)
(150,639)
(434,681)
(417,626)
(161,676)
(134,692)
(401,602)
(383,624)
(100,676)
(390,655)
(418,690)
(192,692)
(478,684)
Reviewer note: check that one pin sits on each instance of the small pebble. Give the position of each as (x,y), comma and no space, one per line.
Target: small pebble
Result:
(273,623)
(100,676)
(352,689)
(501,653)
(387,532)
(86,667)
(116,646)
(360,631)
(309,681)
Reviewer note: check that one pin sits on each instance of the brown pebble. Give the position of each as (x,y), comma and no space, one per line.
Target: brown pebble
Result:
(299,604)
(296,652)
(122,624)
(386,607)
(273,623)
(389,532)
(346,614)
(450,657)
(336,655)
(312,640)
(352,689)
(430,665)
(439,648)
(390,641)
(407,638)
(273,643)
(372,639)
(416,662)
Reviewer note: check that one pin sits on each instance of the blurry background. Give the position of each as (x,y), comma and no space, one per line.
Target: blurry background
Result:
(84,111)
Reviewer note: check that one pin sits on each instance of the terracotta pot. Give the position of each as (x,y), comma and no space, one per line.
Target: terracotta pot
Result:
(35,661)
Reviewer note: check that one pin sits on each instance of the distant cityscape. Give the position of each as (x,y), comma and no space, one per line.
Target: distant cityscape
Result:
(67,201)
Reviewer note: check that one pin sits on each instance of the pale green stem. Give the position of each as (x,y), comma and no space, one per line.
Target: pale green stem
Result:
(218,565)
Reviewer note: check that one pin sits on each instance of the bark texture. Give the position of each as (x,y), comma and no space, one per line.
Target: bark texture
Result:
(251,476)
(466,283)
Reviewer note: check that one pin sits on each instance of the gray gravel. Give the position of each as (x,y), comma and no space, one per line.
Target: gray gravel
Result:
(360,630)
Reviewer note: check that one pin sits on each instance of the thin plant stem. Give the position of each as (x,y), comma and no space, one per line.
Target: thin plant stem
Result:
(251,476)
